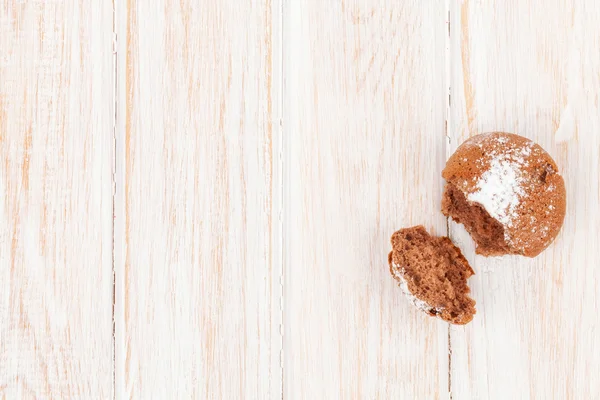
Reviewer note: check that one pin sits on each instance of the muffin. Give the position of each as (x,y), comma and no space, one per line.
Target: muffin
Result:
(507,192)
(432,273)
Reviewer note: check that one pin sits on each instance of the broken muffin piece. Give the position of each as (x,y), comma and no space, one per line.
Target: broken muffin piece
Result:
(433,274)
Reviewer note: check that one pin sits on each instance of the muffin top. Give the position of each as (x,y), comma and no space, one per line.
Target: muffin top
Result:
(516,182)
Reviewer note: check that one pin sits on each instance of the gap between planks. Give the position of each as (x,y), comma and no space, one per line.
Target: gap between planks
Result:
(114,190)
(447,55)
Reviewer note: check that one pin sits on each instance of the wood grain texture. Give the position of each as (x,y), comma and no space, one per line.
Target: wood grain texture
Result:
(261,143)
(532,68)
(363,149)
(56,116)
(198,283)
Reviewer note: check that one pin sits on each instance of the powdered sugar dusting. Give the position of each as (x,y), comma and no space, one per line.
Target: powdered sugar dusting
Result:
(500,188)
(420,304)
(499,191)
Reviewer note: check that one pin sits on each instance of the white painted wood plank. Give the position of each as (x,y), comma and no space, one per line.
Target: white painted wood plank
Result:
(56,141)
(365,99)
(198,280)
(532,68)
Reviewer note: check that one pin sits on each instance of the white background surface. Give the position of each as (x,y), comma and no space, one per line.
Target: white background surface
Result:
(196,197)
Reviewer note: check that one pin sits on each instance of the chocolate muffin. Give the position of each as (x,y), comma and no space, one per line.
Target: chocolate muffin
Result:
(507,192)
(432,273)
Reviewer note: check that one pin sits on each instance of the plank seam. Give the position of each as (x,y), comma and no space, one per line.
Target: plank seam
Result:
(446,143)
(114,190)
(281,183)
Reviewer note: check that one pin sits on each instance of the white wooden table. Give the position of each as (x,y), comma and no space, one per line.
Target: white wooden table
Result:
(196,197)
